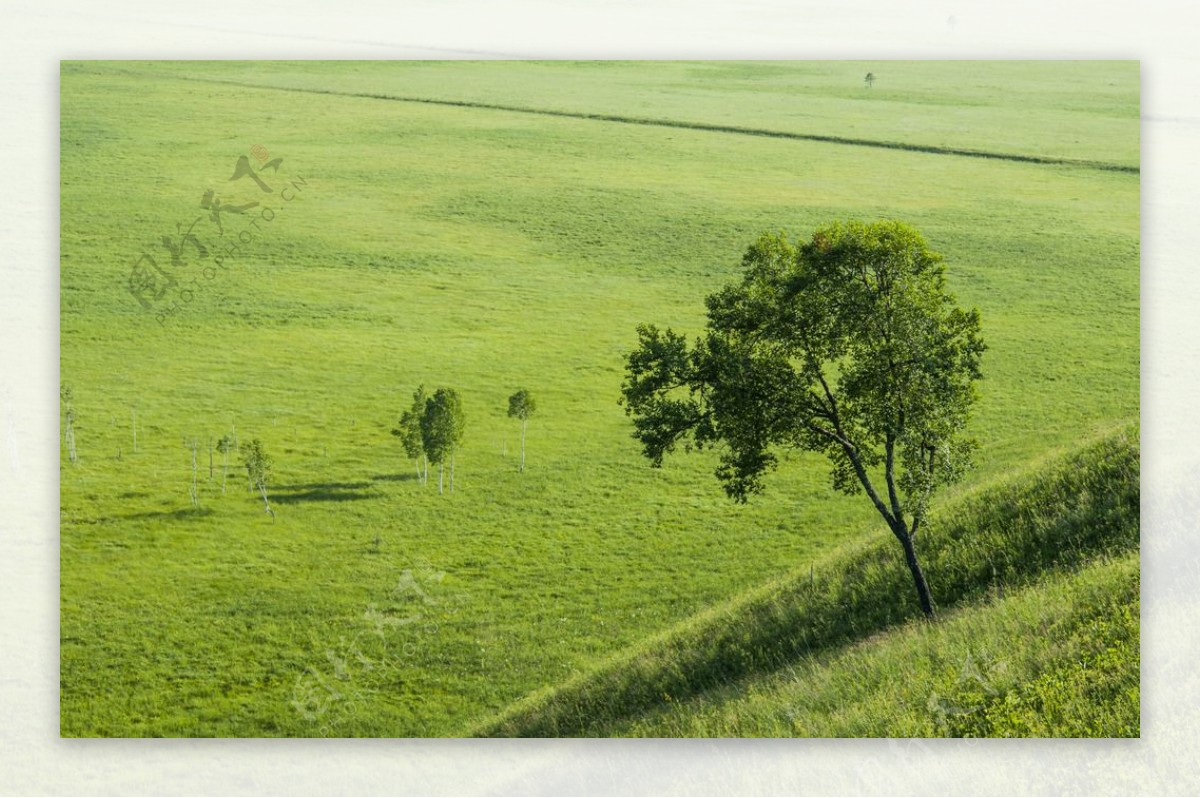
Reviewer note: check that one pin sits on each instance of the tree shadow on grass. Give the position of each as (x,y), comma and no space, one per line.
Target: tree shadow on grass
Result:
(321,486)
(182,514)
(320,492)
(394,477)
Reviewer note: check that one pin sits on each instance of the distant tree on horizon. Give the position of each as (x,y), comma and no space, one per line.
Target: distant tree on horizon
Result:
(869,79)
(521,406)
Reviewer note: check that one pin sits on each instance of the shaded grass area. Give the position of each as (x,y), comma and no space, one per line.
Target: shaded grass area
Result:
(1058,659)
(1058,517)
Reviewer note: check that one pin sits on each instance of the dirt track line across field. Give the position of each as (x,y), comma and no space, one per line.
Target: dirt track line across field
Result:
(672,123)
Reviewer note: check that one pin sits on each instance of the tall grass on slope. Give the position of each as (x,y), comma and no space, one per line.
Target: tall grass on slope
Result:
(1057,660)
(1060,516)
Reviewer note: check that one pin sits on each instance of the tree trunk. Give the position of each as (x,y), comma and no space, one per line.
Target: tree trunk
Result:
(195,498)
(441,475)
(910,556)
(521,470)
(425,479)
(451,473)
(263,489)
(70,437)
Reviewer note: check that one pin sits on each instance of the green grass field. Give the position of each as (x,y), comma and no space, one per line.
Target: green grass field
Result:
(489,249)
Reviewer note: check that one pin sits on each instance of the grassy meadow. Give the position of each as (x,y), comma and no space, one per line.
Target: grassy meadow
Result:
(493,248)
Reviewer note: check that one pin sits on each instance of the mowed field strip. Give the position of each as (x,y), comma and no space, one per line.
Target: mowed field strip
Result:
(488,249)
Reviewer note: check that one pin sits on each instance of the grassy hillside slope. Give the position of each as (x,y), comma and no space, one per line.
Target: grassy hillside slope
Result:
(1056,518)
(1059,659)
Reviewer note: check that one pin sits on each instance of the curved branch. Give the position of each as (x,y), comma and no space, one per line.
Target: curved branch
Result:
(860,470)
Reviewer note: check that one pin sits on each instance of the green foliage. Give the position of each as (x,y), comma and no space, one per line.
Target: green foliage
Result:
(409,429)
(521,405)
(258,464)
(225,444)
(849,346)
(442,425)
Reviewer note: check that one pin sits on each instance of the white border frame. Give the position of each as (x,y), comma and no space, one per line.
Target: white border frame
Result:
(33,760)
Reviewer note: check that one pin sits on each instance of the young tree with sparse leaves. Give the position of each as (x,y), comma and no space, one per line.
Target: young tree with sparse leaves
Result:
(848,345)
(225,445)
(193,493)
(66,396)
(442,430)
(521,406)
(258,467)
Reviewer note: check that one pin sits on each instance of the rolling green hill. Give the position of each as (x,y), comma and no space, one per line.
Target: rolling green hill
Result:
(1050,532)
(1057,660)
(485,249)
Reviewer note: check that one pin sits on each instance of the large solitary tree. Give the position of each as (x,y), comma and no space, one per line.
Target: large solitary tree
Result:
(848,345)
(442,430)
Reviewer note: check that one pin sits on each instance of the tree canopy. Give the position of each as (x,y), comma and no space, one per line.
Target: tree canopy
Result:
(521,405)
(442,427)
(258,467)
(409,429)
(847,344)
(442,424)
(258,463)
